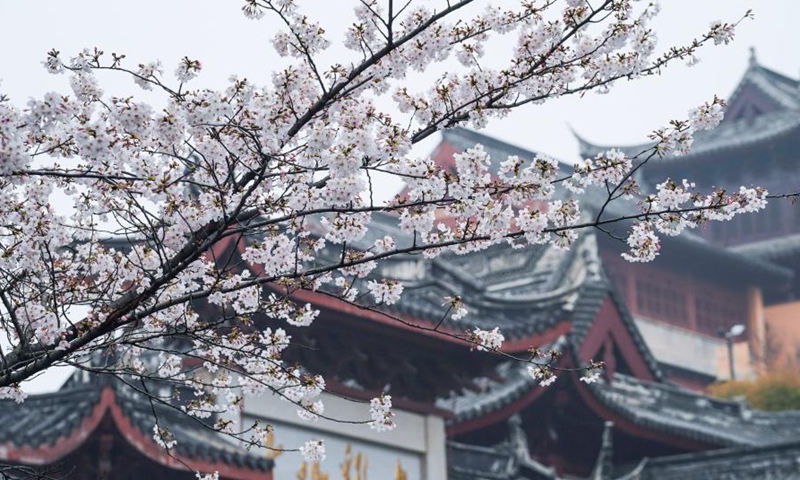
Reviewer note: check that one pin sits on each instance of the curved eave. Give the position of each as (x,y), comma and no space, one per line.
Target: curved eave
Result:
(590,149)
(646,428)
(713,148)
(51,453)
(518,339)
(773,249)
(501,404)
(634,425)
(417,318)
(694,416)
(789,449)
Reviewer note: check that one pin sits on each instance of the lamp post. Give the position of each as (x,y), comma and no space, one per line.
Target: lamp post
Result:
(729,335)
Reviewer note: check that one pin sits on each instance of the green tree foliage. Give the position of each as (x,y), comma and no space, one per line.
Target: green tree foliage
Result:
(775,392)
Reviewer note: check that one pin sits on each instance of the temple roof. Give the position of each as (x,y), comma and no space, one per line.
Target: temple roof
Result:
(727,136)
(506,461)
(772,249)
(757,445)
(778,461)
(509,460)
(675,410)
(731,263)
(464,139)
(511,382)
(764,106)
(521,291)
(655,405)
(472,462)
(46,428)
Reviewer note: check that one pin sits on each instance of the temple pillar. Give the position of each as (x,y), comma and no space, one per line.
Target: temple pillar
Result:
(435,451)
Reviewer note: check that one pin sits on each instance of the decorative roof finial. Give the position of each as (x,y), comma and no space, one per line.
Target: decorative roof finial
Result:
(753,59)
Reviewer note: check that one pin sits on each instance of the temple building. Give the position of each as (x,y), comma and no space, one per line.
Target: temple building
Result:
(756,144)
(681,301)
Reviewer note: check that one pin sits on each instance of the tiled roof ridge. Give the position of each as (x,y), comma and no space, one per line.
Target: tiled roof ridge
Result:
(487,141)
(694,415)
(109,398)
(735,452)
(780,88)
(771,248)
(771,83)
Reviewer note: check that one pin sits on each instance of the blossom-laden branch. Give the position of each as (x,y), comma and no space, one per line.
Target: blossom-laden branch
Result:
(148,198)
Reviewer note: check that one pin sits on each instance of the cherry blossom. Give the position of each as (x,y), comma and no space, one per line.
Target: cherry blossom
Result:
(487,339)
(192,227)
(380,409)
(456,305)
(543,374)
(590,377)
(313,451)
(163,437)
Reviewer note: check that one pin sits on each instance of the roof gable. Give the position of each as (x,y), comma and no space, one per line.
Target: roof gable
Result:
(761,91)
(765,106)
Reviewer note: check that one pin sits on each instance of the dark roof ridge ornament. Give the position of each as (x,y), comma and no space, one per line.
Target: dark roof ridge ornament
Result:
(518,443)
(604,468)
(517,437)
(753,58)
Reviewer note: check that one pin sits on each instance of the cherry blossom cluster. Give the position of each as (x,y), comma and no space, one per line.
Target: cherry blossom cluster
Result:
(456,307)
(543,374)
(592,372)
(163,437)
(487,340)
(180,237)
(313,451)
(380,409)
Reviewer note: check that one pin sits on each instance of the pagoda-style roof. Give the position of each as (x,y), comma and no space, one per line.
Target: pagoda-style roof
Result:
(689,245)
(511,382)
(765,106)
(755,444)
(523,291)
(47,429)
(658,407)
(644,408)
(461,139)
(728,136)
(510,461)
(675,410)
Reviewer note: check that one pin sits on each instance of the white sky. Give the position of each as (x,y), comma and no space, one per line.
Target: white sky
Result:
(216,33)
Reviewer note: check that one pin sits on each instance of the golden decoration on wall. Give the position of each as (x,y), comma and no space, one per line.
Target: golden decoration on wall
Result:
(273,451)
(359,462)
(399,473)
(353,467)
(316,472)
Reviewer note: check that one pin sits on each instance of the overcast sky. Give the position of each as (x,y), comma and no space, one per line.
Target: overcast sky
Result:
(216,33)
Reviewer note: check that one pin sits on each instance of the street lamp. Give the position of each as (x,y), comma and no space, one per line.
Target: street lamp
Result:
(734,332)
